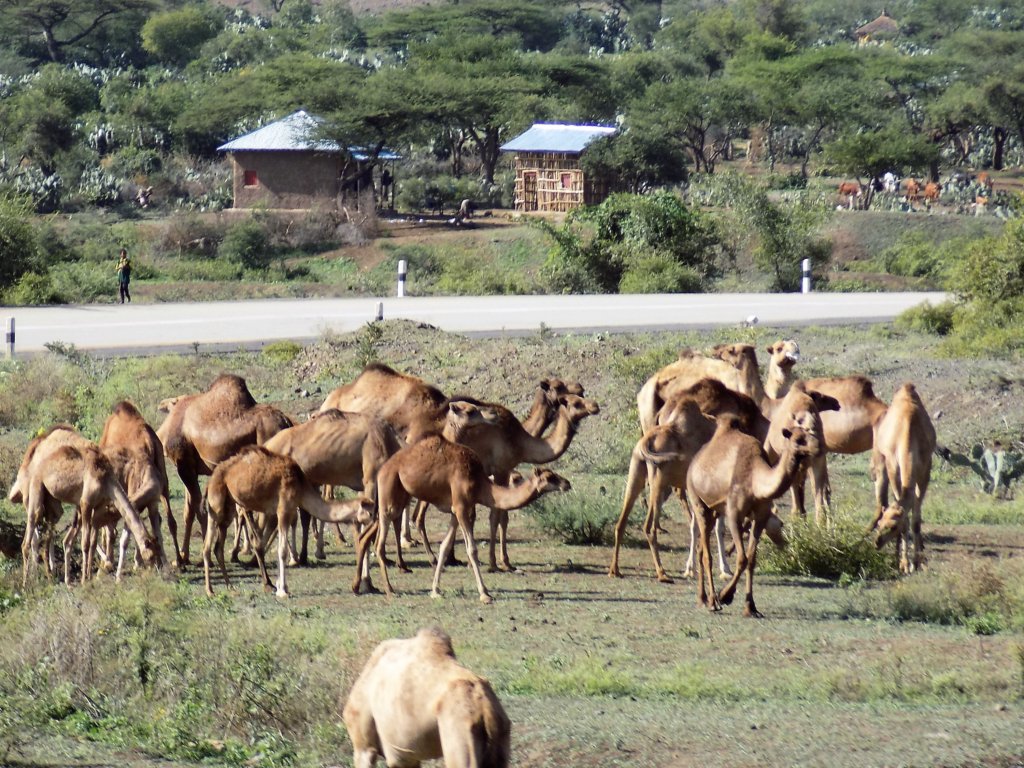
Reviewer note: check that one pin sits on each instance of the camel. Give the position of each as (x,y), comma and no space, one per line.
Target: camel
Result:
(505,445)
(337,448)
(204,429)
(271,488)
(663,454)
(735,365)
(731,477)
(902,460)
(413,701)
(138,459)
(782,356)
(848,430)
(452,478)
(64,467)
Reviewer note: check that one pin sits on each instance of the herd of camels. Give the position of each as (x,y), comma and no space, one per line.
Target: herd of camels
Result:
(725,441)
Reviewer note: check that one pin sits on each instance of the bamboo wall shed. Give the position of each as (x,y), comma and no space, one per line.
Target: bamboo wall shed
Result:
(285,165)
(547,165)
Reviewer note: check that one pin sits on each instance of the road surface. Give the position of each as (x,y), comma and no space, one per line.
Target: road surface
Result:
(156,327)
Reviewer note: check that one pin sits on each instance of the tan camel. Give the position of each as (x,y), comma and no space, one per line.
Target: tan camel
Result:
(544,409)
(337,448)
(735,365)
(413,701)
(849,430)
(271,489)
(138,459)
(902,461)
(782,356)
(663,455)
(731,477)
(204,429)
(503,446)
(452,478)
(65,467)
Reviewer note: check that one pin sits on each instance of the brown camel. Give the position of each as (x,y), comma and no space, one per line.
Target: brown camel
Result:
(270,488)
(505,445)
(663,454)
(337,448)
(731,477)
(138,459)
(902,461)
(735,365)
(782,356)
(849,430)
(204,429)
(64,467)
(452,478)
(413,701)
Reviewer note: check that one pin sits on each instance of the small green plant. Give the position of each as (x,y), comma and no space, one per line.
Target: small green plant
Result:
(247,243)
(926,318)
(367,343)
(828,552)
(282,352)
(575,519)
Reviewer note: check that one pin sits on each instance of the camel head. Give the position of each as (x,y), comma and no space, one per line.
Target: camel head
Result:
(739,356)
(784,353)
(548,482)
(167,404)
(148,551)
(774,530)
(555,388)
(890,525)
(802,441)
(462,414)
(578,408)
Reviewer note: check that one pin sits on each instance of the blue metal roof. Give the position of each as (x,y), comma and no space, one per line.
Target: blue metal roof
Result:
(549,137)
(295,133)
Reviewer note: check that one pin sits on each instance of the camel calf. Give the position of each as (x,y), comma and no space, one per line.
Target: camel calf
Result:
(272,488)
(902,459)
(413,701)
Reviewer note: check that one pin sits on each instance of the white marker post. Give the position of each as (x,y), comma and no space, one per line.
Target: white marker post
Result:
(401,278)
(9,337)
(805,283)
(380,311)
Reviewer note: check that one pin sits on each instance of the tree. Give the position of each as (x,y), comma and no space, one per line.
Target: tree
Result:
(870,153)
(634,161)
(175,37)
(18,243)
(63,23)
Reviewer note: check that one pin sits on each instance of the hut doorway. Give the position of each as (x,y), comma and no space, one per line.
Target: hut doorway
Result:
(530,191)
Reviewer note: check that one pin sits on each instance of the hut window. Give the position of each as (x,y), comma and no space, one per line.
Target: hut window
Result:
(566,181)
(250,179)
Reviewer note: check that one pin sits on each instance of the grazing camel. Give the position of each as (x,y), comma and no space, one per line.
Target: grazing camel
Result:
(505,445)
(64,467)
(735,365)
(663,454)
(902,461)
(138,459)
(337,448)
(204,429)
(413,701)
(731,477)
(271,488)
(452,478)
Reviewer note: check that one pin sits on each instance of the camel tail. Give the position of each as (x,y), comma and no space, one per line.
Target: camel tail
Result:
(497,729)
(330,511)
(655,457)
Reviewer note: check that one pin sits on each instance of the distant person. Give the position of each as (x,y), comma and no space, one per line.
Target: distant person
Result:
(124,275)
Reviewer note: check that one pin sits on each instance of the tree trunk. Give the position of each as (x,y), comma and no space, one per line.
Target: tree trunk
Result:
(999,144)
(52,47)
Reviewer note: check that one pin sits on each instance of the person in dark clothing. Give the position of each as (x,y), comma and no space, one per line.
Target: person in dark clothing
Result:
(124,275)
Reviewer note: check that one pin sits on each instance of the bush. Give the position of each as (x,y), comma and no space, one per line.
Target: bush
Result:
(32,289)
(831,552)
(19,248)
(659,274)
(914,255)
(84,282)
(925,318)
(247,243)
(575,519)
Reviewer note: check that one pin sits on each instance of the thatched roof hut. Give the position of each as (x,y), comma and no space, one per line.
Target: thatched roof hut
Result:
(884,26)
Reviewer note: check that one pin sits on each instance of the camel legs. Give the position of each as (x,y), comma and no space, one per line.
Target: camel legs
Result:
(382,528)
(749,609)
(881,476)
(498,520)
(221,513)
(706,595)
(724,570)
(263,533)
(660,490)
(463,516)
(635,481)
(193,506)
(363,542)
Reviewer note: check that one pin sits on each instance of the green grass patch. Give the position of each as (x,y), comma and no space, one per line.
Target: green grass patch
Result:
(836,551)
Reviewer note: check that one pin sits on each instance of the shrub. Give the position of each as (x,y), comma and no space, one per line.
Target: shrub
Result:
(830,552)
(981,599)
(659,274)
(34,288)
(84,282)
(914,255)
(247,243)
(925,318)
(282,352)
(576,519)
(19,248)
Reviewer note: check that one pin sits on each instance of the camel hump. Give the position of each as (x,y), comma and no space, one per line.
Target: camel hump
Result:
(438,639)
(387,370)
(57,428)
(126,409)
(232,388)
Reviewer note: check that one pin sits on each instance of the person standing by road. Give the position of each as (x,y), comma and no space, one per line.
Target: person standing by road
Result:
(124,275)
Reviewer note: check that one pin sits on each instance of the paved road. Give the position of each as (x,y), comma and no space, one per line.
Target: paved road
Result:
(149,327)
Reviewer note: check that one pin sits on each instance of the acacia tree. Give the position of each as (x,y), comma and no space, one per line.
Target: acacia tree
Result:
(63,23)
